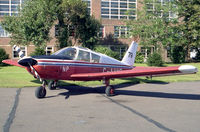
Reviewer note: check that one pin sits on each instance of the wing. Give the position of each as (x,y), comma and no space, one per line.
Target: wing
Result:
(12,62)
(137,71)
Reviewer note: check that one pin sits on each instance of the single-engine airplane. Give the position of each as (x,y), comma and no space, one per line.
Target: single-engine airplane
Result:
(81,64)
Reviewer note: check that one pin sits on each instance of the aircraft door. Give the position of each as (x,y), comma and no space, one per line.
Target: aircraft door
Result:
(84,65)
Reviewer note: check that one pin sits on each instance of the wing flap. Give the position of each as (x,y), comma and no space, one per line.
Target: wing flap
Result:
(137,71)
(12,62)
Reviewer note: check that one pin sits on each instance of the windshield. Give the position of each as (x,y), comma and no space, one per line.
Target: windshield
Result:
(67,52)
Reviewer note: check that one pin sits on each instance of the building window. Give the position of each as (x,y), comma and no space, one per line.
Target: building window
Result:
(115,9)
(49,50)
(16,54)
(3,33)
(10,7)
(151,7)
(121,32)
(168,51)
(121,49)
(88,2)
(146,51)
(102,32)
(70,28)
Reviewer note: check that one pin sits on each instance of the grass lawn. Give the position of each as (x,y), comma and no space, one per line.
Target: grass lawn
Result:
(16,77)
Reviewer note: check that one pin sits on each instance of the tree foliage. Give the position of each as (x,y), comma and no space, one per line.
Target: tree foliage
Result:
(33,23)
(155,59)
(38,51)
(189,13)
(37,17)
(86,27)
(139,58)
(153,25)
(107,51)
(178,54)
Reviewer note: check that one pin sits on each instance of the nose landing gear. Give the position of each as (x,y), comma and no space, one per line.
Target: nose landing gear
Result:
(40,92)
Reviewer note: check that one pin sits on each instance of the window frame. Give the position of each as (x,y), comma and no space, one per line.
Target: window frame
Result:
(118,5)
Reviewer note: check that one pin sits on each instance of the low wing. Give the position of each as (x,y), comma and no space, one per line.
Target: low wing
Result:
(137,71)
(12,62)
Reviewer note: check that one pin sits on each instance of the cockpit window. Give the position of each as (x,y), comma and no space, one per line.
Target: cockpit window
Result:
(67,52)
(83,55)
(95,58)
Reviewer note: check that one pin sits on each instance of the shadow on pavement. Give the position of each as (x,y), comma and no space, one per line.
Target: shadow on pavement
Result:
(80,90)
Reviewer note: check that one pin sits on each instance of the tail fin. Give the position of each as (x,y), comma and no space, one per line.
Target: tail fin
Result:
(130,55)
(17,48)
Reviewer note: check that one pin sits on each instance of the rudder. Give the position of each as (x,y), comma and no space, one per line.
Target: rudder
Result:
(129,57)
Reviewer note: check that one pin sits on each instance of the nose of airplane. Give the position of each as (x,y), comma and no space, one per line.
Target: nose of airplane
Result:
(27,61)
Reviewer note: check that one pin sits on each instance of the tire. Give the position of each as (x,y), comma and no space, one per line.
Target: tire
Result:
(51,85)
(40,92)
(110,91)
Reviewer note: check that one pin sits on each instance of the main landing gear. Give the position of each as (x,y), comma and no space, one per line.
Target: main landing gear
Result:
(110,91)
(52,85)
(40,92)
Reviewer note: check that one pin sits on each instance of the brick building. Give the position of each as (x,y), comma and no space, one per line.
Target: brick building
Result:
(111,14)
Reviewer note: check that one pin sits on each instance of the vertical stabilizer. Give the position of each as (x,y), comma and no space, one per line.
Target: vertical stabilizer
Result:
(130,55)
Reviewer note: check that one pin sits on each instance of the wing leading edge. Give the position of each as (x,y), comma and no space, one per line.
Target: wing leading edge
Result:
(137,71)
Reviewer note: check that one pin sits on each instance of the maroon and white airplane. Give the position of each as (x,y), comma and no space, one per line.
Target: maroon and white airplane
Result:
(81,64)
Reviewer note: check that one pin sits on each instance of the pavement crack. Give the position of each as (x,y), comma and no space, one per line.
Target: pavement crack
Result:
(159,125)
(12,113)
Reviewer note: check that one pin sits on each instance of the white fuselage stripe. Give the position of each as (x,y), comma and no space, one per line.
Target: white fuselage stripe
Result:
(82,64)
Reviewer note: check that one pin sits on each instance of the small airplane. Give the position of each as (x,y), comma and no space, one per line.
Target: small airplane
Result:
(82,64)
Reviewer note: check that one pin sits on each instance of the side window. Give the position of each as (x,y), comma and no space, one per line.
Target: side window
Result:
(95,58)
(83,56)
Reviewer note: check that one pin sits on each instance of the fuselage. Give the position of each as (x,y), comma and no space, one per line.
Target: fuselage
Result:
(63,69)
(60,67)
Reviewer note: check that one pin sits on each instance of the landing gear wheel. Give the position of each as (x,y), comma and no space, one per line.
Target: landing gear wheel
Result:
(110,91)
(40,92)
(52,85)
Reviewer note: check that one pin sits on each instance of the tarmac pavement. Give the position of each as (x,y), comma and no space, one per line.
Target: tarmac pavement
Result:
(139,108)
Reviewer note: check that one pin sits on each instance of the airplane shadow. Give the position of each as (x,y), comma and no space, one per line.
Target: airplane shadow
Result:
(140,80)
(73,90)
(80,90)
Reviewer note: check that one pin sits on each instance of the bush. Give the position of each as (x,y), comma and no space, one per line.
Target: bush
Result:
(155,59)
(178,54)
(38,51)
(3,56)
(107,51)
(139,58)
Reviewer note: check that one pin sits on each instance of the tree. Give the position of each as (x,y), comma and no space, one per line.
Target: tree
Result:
(155,59)
(107,51)
(153,25)
(33,23)
(85,27)
(36,18)
(189,13)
